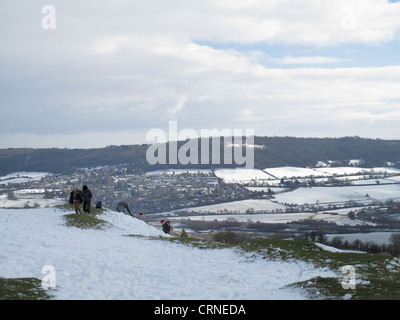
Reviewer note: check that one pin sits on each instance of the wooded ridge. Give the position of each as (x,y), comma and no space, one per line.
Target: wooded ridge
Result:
(269,152)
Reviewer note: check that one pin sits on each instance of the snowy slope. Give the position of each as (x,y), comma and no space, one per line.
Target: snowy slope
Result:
(107,264)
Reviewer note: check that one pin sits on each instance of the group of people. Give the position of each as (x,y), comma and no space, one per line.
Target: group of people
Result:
(77,197)
(123,206)
(85,196)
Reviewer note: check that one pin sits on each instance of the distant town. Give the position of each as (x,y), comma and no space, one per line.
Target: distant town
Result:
(183,190)
(149,192)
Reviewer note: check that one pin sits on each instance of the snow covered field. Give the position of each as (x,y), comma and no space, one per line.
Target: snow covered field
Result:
(241,175)
(276,218)
(364,194)
(108,264)
(28,200)
(239,206)
(289,172)
(19,177)
(273,175)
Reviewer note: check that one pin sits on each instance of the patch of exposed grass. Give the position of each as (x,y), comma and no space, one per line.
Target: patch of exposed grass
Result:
(84,221)
(189,241)
(196,242)
(23,289)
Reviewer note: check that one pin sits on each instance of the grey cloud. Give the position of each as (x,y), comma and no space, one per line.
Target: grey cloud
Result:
(134,65)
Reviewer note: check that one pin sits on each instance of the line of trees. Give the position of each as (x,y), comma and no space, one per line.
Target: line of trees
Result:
(338,242)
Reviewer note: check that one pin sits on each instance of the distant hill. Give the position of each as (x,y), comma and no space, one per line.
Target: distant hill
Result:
(302,152)
(66,160)
(270,152)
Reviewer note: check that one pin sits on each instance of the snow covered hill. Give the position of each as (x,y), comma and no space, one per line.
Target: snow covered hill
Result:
(108,264)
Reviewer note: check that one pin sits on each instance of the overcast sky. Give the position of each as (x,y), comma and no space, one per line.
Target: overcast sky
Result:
(111,71)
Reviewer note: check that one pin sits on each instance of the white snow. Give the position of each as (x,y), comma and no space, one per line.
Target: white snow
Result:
(239,206)
(276,217)
(108,264)
(23,176)
(296,172)
(365,194)
(333,249)
(25,200)
(357,170)
(272,176)
(241,175)
(289,172)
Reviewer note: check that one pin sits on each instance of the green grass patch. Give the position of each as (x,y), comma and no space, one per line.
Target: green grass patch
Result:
(280,249)
(189,241)
(23,289)
(323,288)
(331,289)
(196,242)
(84,221)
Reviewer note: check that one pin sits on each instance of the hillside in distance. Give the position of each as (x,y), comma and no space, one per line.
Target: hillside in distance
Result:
(304,152)
(268,152)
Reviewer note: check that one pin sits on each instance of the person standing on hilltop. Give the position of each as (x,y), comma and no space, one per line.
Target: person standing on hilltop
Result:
(75,198)
(87,199)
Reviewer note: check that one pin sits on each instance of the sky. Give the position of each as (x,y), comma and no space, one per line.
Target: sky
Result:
(88,74)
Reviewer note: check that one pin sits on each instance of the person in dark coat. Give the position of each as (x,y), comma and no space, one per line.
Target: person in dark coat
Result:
(167,227)
(87,199)
(75,198)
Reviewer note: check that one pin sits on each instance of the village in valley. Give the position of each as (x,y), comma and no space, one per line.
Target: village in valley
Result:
(283,200)
(150,192)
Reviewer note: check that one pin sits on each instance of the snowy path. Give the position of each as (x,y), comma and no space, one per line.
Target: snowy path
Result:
(106,264)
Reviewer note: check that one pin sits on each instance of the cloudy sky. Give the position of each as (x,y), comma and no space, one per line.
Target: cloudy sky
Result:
(108,72)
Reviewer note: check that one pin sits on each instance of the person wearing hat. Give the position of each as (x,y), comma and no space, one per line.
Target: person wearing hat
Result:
(162,224)
(166,226)
(87,198)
